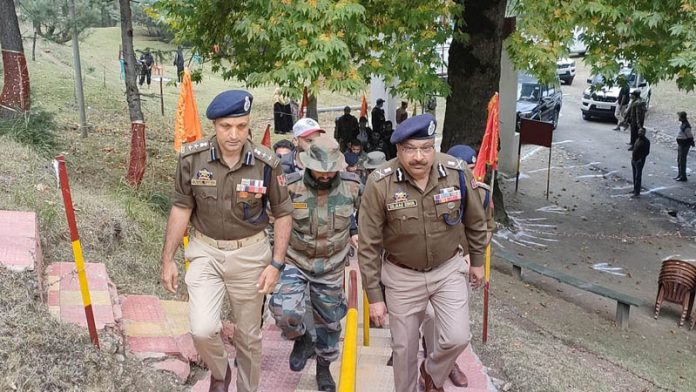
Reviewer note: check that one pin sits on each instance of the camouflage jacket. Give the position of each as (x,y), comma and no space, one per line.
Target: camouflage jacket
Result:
(321,221)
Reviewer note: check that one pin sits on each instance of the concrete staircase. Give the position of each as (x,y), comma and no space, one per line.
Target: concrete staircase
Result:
(157,331)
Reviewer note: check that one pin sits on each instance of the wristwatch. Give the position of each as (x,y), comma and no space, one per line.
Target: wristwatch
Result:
(278,265)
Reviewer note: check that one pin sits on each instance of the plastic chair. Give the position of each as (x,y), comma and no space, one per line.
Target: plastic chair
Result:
(677,284)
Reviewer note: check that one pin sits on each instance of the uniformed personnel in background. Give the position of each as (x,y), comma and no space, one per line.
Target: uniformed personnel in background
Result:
(468,155)
(222,187)
(324,199)
(412,208)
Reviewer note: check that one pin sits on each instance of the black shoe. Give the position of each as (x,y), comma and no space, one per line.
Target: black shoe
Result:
(616,129)
(681,179)
(630,148)
(301,352)
(325,381)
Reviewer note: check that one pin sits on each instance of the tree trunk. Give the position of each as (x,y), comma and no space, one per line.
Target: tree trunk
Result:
(15,96)
(473,74)
(136,167)
(312,108)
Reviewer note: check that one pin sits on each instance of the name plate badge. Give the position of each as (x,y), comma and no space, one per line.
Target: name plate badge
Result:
(401,204)
(302,206)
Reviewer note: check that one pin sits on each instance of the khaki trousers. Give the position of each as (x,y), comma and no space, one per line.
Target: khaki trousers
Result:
(428,328)
(213,272)
(408,293)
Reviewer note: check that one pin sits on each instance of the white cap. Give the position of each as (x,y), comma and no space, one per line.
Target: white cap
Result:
(305,127)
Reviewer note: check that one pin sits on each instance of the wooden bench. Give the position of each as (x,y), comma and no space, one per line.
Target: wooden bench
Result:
(623,301)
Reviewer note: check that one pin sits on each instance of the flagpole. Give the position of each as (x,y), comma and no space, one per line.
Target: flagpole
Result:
(487,272)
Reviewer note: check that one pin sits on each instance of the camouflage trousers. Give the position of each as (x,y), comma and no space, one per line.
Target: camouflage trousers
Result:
(326,296)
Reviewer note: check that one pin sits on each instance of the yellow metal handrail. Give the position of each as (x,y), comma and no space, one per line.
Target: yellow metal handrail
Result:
(349,359)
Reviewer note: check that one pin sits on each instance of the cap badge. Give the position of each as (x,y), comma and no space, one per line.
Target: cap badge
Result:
(247,103)
(431,128)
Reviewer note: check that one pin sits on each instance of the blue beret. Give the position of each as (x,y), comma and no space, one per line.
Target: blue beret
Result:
(231,103)
(351,158)
(417,127)
(463,152)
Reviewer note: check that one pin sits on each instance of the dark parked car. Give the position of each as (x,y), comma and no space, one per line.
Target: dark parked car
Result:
(538,101)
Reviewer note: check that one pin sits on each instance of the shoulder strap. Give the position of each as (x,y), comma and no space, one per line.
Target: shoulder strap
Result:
(192,148)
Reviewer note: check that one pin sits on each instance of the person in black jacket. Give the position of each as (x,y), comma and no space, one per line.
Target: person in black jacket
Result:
(641,149)
(378,118)
(635,116)
(346,128)
(146,61)
(179,63)
(685,140)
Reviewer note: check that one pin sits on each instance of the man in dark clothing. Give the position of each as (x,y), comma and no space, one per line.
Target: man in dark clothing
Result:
(635,116)
(346,128)
(375,143)
(641,149)
(401,113)
(378,118)
(146,61)
(179,63)
(390,149)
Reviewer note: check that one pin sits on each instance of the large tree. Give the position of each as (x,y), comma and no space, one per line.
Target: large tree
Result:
(15,96)
(138,154)
(319,44)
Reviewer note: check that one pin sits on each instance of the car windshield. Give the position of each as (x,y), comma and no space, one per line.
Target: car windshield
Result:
(528,92)
(625,72)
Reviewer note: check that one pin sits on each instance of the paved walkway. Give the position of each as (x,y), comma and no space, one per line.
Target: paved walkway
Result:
(158,331)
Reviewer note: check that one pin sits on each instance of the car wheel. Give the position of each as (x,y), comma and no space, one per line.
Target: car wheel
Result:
(556,114)
(647,102)
(586,117)
(570,81)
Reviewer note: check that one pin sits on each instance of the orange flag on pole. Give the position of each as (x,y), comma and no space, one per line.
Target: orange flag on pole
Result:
(488,153)
(266,141)
(363,107)
(187,127)
(304,104)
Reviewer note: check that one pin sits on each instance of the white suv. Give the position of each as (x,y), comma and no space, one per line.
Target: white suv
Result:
(565,69)
(599,100)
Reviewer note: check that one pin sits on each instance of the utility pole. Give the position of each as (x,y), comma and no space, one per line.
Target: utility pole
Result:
(78,70)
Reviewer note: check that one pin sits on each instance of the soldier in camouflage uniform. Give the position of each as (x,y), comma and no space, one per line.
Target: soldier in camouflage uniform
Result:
(324,200)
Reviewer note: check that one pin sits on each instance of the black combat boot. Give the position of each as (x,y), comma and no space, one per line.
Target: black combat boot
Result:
(324,380)
(301,352)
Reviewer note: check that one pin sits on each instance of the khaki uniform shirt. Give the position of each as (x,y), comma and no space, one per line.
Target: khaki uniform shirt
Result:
(482,189)
(227,202)
(409,224)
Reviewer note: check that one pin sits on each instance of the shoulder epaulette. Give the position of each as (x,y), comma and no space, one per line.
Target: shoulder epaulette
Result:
(293,177)
(483,185)
(350,177)
(266,156)
(380,174)
(454,163)
(191,148)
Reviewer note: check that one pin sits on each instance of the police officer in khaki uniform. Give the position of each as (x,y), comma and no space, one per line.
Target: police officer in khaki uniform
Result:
(223,186)
(468,155)
(412,207)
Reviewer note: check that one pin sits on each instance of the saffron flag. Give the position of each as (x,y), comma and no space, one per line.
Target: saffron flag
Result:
(363,107)
(187,127)
(488,153)
(266,141)
(304,104)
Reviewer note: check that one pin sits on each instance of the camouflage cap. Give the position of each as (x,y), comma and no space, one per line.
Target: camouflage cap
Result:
(324,155)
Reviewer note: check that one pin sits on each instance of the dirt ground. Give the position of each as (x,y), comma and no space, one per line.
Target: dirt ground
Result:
(546,336)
